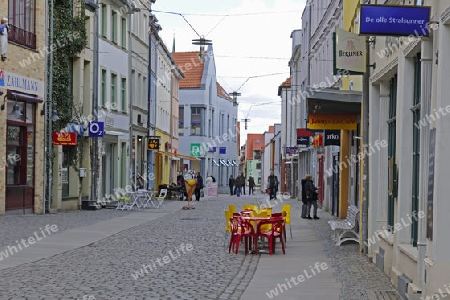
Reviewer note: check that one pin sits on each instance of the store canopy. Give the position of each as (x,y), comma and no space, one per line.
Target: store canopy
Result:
(188,157)
(332,101)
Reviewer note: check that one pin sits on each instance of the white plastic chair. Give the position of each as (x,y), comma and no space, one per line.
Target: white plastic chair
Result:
(161,197)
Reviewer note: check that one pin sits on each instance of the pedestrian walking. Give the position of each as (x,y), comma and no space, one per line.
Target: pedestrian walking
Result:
(311,197)
(272,183)
(198,186)
(231,184)
(240,182)
(251,185)
(304,201)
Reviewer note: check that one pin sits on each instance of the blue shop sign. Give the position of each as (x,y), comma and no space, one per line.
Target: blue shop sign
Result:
(394,20)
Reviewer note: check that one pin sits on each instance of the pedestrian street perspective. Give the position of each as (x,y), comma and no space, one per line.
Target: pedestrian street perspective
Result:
(170,253)
(309,136)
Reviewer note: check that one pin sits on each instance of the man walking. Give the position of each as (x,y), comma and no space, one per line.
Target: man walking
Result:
(231,183)
(198,186)
(272,183)
(251,185)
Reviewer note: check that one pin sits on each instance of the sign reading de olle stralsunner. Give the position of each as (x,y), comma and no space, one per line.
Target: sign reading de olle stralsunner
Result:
(394,20)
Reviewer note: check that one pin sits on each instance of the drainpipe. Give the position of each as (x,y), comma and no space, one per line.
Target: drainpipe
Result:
(131,95)
(47,192)
(94,154)
(365,126)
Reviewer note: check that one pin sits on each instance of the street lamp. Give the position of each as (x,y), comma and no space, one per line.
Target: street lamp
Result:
(54,116)
(235,95)
(202,42)
(16,110)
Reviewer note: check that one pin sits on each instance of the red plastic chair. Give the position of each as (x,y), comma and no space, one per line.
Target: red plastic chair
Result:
(240,229)
(249,233)
(236,235)
(276,231)
(283,215)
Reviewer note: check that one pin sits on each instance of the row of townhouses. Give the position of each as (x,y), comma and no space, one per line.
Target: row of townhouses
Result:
(375,136)
(94,104)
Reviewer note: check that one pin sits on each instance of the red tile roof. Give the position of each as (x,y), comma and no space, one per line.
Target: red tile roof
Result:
(192,67)
(222,93)
(287,82)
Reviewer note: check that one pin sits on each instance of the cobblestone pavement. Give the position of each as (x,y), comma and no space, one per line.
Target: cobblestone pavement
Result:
(113,268)
(360,278)
(105,269)
(16,227)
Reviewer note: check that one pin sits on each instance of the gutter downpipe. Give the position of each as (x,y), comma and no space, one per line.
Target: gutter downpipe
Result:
(130,129)
(47,125)
(365,126)
(49,110)
(94,155)
(149,101)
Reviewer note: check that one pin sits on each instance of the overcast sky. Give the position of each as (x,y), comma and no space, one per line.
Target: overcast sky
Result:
(253,40)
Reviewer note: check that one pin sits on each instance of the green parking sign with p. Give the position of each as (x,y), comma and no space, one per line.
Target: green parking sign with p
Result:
(195,149)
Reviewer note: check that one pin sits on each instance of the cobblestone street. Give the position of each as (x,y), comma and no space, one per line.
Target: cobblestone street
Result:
(154,260)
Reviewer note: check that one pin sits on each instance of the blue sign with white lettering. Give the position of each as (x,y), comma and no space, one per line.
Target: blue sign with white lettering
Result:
(96,129)
(394,20)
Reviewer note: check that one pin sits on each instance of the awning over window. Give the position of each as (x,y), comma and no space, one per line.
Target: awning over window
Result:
(188,157)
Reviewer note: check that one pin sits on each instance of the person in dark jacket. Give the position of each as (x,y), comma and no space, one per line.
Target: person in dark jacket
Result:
(311,197)
(198,186)
(231,183)
(272,184)
(240,181)
(251,185)
(304,201)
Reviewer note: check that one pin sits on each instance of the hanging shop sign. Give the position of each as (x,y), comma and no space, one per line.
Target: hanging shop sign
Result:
(195,149)
(394,20)
(332,138)
(96,129)
(349,53)
(332,121)
(303,137)
(153,142)
(291,150)
(64,138)
(318,141)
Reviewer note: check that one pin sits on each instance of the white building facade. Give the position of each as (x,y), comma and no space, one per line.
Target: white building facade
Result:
(408,206)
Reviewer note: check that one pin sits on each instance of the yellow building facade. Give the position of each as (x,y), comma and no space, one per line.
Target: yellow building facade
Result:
(22,76)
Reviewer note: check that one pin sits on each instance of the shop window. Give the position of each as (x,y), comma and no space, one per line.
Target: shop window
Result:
(20,147)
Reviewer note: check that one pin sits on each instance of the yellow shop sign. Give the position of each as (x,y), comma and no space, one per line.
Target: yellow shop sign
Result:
(332,121)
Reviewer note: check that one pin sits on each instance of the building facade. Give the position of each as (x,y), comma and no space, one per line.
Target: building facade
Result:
(407,192)
(207,119)
(22,76)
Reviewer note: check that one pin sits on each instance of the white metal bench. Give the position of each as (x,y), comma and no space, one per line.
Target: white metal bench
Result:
(346,230)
